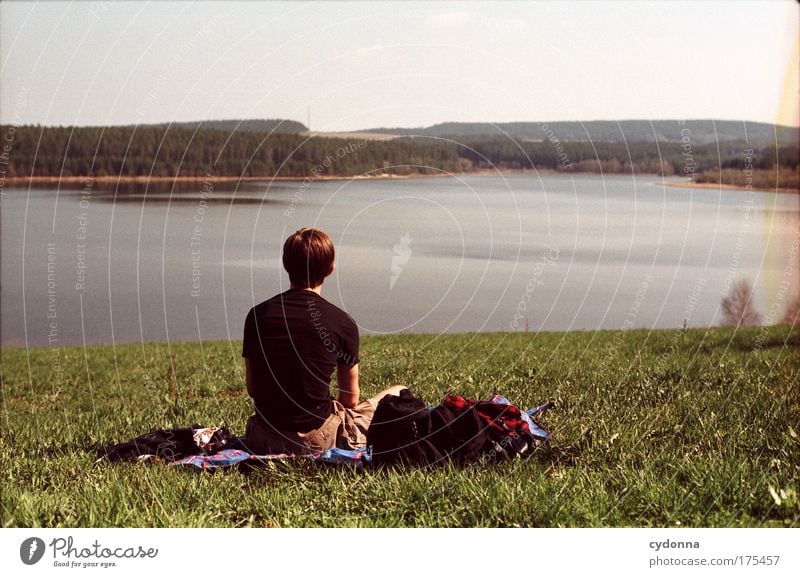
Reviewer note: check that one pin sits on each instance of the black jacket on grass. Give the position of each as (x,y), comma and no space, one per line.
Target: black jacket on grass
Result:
(168,444)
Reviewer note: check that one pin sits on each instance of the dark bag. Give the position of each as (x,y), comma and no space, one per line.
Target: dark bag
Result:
(400,432)
(461,436)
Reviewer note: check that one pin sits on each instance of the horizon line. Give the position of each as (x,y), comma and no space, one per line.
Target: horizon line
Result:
(389,127)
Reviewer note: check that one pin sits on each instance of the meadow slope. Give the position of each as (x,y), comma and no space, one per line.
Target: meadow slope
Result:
(661,428)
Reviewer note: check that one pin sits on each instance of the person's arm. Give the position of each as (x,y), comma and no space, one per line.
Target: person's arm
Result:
(248,377)
(249,341)
(347,378)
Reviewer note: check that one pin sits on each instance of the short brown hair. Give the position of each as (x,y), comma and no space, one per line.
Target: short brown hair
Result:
(308,257)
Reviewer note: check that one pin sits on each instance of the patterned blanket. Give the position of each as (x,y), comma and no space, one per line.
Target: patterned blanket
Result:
(231,457)
(356,458)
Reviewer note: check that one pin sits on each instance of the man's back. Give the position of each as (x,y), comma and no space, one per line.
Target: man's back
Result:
(293,342)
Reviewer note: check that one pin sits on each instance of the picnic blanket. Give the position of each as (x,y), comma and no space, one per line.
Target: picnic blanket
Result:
(359,457)
(231,457)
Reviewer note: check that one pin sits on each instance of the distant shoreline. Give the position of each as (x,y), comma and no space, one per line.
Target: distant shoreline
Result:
(83,180)
(718,186)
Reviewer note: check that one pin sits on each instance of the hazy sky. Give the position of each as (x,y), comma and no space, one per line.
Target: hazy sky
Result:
(361,65)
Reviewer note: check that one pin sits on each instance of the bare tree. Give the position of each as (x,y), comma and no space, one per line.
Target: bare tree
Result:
(792,314)
(737,306)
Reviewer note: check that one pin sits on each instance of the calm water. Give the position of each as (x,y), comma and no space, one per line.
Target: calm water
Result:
(476,253)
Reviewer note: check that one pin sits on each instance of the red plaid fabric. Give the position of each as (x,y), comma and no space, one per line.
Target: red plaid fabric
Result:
(502,420)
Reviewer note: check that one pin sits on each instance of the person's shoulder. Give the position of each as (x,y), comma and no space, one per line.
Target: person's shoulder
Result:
(275,298)
(332,309)
(271,300)
(327,304)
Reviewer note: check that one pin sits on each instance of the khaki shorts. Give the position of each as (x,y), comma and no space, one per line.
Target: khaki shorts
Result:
(345,429)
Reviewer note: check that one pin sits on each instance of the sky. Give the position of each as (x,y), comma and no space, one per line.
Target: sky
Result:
(359,65)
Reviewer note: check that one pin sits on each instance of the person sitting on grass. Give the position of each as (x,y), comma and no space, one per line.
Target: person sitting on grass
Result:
(292,343)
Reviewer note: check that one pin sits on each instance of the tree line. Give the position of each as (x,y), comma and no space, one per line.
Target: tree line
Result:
(666,158)
(168,151)
(699,131)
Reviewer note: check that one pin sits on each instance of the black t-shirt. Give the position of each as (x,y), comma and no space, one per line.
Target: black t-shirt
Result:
(294,341)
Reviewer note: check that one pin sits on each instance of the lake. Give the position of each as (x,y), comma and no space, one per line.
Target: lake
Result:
(509,252)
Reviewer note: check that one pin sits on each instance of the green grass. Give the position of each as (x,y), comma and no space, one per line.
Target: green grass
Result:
(665,428)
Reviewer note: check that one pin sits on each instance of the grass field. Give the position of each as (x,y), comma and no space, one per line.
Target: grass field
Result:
(665,428)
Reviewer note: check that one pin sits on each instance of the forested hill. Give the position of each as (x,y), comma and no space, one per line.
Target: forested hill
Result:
(169,151)
(695,131)
(265,126)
